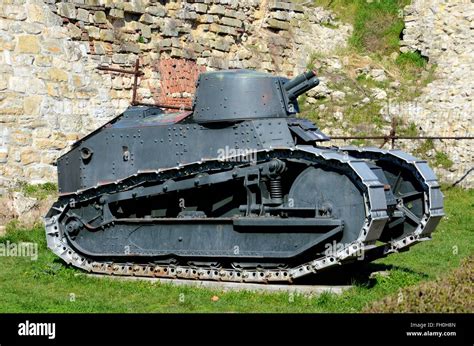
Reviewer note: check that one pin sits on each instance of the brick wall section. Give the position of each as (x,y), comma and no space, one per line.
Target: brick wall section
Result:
(177,81)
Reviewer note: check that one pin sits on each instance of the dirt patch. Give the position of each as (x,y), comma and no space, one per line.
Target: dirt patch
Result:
(26,210)
(6,210)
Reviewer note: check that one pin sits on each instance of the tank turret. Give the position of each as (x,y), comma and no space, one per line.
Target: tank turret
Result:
(235,95)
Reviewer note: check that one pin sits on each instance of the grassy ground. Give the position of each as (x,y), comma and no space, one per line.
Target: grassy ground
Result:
(46,285)
(457,288)
(38,191)
(377,24)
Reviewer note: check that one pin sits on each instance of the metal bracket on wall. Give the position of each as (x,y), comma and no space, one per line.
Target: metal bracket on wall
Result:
(137,73)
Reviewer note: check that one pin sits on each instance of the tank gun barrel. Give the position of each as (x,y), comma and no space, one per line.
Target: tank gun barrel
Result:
(301,84)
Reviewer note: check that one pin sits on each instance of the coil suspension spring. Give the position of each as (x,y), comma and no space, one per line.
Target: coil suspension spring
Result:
(276,191)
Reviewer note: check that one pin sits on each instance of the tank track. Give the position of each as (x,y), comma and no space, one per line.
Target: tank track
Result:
(376,218)
(433,197)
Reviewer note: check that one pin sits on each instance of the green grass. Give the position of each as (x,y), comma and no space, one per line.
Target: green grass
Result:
(411,59)
(366,114)
(442,159)
(411,65)
(360,142)
(368,82)
(432,296)
(38,191)
(377,24)
(47,285)
(410,130)
(423,148)
(314,56)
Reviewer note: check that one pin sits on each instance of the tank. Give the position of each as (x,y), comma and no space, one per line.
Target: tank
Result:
(238,189)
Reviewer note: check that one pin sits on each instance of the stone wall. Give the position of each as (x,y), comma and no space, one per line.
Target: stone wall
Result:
(443,31)
(51,92)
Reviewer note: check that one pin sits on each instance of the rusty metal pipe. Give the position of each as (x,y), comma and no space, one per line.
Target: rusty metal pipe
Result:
(119,70)
(163,106)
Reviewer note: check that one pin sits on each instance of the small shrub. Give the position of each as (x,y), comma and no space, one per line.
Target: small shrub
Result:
(423,148)
(414,59)
(442,159)
(39,191)
(411,130)
(377,26)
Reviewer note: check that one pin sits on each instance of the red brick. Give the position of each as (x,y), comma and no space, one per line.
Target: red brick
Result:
(177,76)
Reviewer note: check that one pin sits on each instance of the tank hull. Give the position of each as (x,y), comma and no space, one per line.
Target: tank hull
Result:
(240,189)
